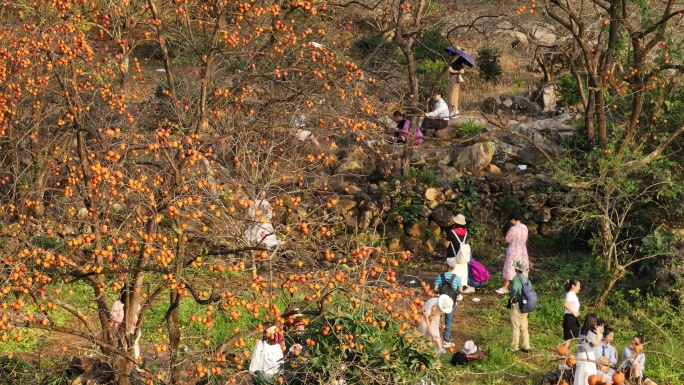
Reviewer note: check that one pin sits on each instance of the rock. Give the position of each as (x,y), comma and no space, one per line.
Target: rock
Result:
(519,40)
(476,157)
(551,228)
(531,155)
(536,200)
(428,246)
(532,228)
(490,105)
(431,194)
(510,167)
(546,97)
(417,229)
(442,216)
(349,166)
(508,102)
(25,158)
(346,205)
(494,170)
(352,225)
(450,173)
(435,229)
(524,106)
(543,215)
(431,205)
(447,133)
(544,35)
(461,121)
(424,212)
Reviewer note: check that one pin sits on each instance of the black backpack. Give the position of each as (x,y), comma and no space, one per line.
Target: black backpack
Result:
(448,286)
(459,358)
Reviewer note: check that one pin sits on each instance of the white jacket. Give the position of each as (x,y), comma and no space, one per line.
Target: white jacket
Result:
(441,110)
(266,358)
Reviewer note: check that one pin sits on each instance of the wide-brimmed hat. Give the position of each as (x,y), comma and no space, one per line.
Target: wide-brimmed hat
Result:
(271,330)
(451,262)
(445,303)
(460,220)
(469,347)
(520,266)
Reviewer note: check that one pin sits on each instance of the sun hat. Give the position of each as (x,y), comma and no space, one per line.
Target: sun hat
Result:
(460,220)
(520,266)
(469,347)
(445,303)
(271,330)
(451,262)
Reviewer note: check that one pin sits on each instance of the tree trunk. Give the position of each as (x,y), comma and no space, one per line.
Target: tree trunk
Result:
(615,275)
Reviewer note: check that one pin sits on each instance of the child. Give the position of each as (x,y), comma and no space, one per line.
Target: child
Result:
(429,321)
(634,360)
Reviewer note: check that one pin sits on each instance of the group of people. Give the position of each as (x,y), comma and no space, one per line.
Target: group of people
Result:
(595,352)
(464,275)
(438,118)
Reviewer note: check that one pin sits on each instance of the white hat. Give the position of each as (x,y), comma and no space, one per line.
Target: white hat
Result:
(271,330)
(469,347)
(451,262)
(445,303)
(460,220)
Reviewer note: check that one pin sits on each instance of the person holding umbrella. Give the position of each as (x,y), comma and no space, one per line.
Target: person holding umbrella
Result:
(457,59)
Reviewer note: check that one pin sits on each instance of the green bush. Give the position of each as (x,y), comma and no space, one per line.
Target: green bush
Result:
(350,345)
(568,90)
(488,61)
(409,209)
(422,176)
(470,128)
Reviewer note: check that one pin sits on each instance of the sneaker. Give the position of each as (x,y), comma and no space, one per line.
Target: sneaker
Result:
(460,297)
(441,351)
(502,291)
(453,115)
(525,350)
(469,289)
(448,345)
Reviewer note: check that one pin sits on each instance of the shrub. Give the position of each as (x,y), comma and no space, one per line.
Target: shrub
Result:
(470,128)
(423,176)
(488,61)
(568,90)
(409,208)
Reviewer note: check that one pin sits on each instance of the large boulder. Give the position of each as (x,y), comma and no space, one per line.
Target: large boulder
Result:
(476,157)
(462,120)
(524,106)
(442,216)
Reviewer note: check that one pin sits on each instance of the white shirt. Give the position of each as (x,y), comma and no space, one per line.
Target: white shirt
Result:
(606,350)
(571,297)
(441,110)
(266,358)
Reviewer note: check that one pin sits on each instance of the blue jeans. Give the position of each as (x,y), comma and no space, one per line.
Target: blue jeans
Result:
(448,318)
(477,285)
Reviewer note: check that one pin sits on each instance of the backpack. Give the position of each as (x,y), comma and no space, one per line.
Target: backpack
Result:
(478,272)
(529,297)
(459,358)
(464,253)
(448,286)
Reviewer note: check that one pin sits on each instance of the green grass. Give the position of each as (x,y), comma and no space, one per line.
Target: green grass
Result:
(627,312)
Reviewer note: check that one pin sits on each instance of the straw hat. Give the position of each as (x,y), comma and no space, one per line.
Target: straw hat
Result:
(460,219)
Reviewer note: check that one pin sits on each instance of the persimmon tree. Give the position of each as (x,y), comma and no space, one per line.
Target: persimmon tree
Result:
(139,184)
(628,54)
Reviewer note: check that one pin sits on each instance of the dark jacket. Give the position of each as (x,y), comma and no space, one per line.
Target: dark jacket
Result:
(451,252)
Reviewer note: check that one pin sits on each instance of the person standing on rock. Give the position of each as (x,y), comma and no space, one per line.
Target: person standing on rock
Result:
(516,237)
(456,71)
(438,118)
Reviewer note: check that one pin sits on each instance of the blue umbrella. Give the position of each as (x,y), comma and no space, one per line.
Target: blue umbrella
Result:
(466,58)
